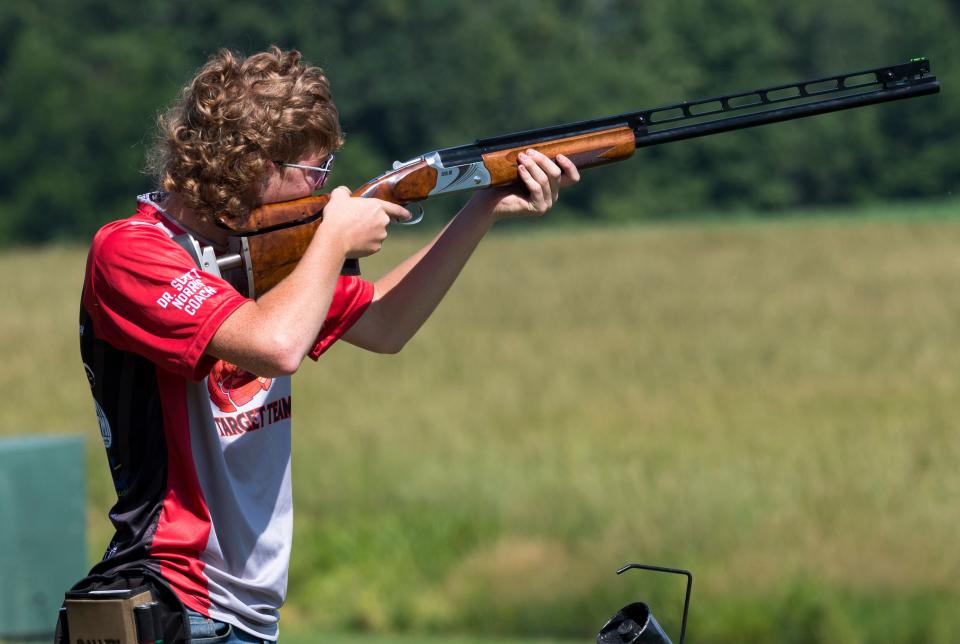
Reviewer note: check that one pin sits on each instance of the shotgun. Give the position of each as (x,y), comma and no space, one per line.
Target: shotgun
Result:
(268,245)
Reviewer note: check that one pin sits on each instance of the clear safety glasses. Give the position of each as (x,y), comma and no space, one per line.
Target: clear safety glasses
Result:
(315,174)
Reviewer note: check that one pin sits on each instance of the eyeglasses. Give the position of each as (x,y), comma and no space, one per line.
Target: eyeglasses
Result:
(316,174)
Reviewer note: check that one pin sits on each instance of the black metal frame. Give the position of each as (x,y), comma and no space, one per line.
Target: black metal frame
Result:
(675,571)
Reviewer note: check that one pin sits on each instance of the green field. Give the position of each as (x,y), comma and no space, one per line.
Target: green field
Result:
(772,405)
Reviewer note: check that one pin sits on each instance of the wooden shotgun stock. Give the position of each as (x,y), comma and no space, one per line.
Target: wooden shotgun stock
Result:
(284,230)
(275,236)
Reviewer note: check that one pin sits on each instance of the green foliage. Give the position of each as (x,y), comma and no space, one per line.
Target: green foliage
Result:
(82,81)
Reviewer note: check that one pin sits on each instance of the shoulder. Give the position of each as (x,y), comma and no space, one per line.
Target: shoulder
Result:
(136,230)
(135,242)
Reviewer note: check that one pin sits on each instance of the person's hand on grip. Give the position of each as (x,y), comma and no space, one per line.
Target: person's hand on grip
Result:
(358,224)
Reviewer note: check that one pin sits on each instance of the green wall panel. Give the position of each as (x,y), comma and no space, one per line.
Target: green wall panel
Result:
(42,530)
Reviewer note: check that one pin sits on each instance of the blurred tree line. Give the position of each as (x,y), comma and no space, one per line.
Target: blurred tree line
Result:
(81,82)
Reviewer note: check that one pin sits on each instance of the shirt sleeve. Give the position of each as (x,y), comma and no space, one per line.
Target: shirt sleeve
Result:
(350,299)
(145,295)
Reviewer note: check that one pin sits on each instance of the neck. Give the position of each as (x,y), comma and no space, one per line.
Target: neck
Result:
(176,206)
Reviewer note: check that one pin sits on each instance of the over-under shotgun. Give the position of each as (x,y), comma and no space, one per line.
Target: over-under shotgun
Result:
(275,236)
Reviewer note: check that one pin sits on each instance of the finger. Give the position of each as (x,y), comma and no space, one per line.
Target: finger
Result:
(396,212)
(544,195)
(571,174)
(554,176)
(535,195)
(547,164)
(551,171)
(531,163)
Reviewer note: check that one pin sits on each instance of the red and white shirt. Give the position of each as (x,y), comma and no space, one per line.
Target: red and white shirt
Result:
(199,449)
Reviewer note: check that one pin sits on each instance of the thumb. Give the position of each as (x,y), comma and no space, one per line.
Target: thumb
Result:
(340,192)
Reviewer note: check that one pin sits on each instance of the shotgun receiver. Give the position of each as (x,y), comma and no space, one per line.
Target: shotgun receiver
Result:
(273,239)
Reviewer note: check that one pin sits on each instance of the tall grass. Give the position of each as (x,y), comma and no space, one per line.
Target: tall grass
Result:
(772,405)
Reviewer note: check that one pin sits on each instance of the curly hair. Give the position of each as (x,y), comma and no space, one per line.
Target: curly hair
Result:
(216,144)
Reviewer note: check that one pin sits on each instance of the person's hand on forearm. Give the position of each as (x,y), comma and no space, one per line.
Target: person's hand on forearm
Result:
(540,181)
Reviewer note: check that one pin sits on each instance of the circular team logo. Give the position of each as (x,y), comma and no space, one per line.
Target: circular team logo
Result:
(231,387)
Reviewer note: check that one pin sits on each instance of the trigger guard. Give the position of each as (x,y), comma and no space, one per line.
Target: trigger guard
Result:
(417,219)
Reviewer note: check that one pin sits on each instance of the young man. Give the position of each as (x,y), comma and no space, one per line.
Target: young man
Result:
(191,378)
